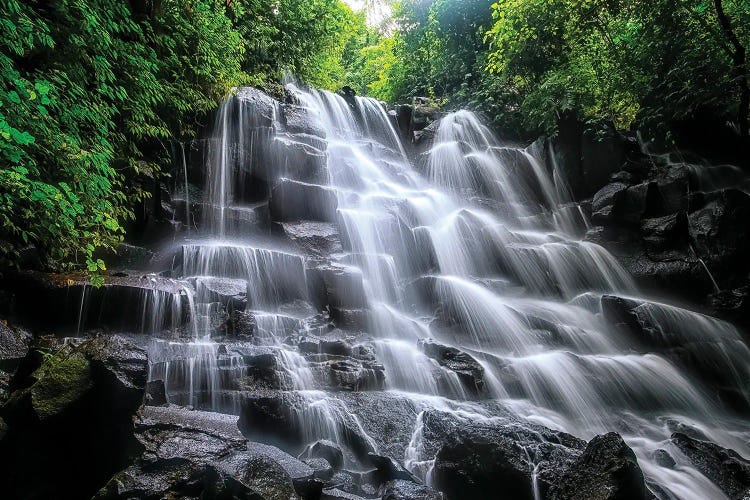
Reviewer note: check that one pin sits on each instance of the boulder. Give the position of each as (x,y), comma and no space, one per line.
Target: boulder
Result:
(724,467)
(732,305)
(294,200)
(344,287)
(14,346)
(479,459)
(607,469)
(620,312)
(721,234)
(321,468)
(74,412)
(198,455)
(156,393)
(293,157)
(240,323)
(469,371)
(673,186)
(260,107)
(303,476)
(230,292)
(668,232)
(301,120)
(319,239)
(387,469)
(271,417)
(400,489)
(326,450)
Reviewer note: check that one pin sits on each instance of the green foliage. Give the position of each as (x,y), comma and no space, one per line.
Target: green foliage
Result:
(658,61)
(91,92)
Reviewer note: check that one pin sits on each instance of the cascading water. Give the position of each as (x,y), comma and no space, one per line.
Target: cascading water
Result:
(477,248)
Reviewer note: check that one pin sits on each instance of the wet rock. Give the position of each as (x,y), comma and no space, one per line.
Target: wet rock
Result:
(301,474)
(156,393)
(295,159)
(670,231)
(637,202)
(607,196)
(721,234)
(195,454)
(350,319)
(354,375)
(129,303)
(724,467)
(338,347)
(285,418)
(732,305)
(327,450)
(673,186)
(620,312)
(387,418)
(387,469)
(318,239)
(343,286)
(231,293)
(293,200)
(337,494)
(271,416)
(301,120)
(322,469)
(14,346)
(74,412)
(408,490)
(664,459)
(469,371)
(607,469)
(240,324)
(201,454)
(260,106)
(478,459)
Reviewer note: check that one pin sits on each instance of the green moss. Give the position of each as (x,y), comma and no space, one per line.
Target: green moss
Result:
(61,380)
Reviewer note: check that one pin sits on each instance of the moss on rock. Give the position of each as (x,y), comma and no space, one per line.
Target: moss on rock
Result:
(61,380)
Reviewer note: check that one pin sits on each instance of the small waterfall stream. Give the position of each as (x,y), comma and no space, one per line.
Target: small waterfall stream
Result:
(476,246)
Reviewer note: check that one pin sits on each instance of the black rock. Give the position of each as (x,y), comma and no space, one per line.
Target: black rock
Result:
(322,469)
(469,371)
(408,490)
(725,467)
(240,324)
(199,455)
(607,469)
(14,346)
(293,201)
(156,393)
(301,120)
(73,413)
(314,238)
(271,417)
(476,460)
(126,303)
(664,459)
(327,450)
(387,469)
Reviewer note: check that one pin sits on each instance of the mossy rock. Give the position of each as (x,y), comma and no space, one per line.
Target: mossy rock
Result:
(61,380)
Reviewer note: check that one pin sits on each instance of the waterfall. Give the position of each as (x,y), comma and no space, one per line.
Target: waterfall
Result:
(475,247)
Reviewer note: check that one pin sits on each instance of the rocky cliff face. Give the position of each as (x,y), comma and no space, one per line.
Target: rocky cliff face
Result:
(244,294)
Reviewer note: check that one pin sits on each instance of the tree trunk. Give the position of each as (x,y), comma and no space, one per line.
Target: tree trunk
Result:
(740,68)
